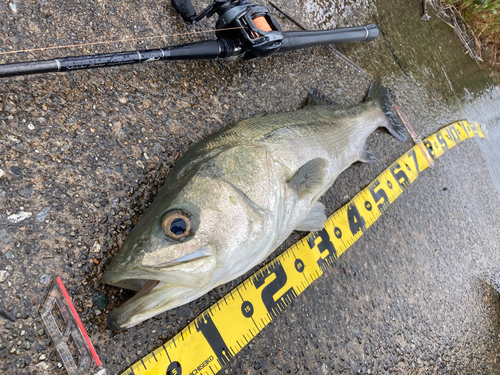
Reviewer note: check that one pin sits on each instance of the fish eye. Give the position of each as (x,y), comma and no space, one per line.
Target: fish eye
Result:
(178,224)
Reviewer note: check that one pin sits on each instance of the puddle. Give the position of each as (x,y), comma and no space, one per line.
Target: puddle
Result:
(486,107)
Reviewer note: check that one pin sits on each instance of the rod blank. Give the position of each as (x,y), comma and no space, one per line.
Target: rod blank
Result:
(209,49)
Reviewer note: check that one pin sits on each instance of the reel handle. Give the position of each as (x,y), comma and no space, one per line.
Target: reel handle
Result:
(185,9)
(188,13)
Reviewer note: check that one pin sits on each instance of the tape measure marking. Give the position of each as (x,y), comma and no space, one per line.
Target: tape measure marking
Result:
(221,331)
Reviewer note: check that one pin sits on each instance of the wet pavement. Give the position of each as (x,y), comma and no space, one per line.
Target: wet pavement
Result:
(83,154)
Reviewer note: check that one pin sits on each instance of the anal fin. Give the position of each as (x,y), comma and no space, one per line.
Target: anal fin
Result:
(315,220)
(365,156)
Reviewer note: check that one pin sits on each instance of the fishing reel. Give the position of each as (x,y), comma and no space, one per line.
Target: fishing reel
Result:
(251,27)
(242,28)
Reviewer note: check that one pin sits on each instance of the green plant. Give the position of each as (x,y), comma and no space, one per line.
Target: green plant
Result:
(483,17)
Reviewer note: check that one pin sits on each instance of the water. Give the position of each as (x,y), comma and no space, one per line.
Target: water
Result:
(436,83)
(486,107)
(434,80)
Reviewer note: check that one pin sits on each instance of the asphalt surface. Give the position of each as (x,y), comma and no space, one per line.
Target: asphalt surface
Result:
(83,154)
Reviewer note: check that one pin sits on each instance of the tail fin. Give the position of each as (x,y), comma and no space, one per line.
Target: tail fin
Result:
(378,93)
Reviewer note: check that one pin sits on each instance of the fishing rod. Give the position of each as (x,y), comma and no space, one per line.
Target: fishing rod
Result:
(242,28)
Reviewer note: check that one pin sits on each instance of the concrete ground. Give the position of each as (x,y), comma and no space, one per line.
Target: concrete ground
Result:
(83,154)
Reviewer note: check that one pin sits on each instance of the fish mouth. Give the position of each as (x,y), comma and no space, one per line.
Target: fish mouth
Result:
(116,319)
(178,271)
(148,285)
(154,295)
(152,299)
(159,288)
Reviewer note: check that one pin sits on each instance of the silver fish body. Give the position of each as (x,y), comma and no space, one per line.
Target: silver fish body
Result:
(236,196)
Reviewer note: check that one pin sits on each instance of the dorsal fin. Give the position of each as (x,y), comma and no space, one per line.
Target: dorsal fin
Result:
(314,97)
(259,114)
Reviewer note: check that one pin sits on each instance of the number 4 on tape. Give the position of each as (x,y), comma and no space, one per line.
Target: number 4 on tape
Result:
(67,332)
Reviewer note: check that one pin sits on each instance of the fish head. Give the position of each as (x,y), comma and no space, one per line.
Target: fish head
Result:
(183,247)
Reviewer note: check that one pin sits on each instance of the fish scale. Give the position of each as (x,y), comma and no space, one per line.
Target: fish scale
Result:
(329,133)
(242,190)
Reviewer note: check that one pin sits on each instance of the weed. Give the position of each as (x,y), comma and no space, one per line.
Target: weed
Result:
(483,17)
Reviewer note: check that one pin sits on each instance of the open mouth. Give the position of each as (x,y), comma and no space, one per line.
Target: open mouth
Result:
(148,286)
(123,316)
(141,282)
(141,286)
(159,286)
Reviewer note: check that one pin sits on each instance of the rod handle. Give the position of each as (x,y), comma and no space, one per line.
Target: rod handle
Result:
(293,40)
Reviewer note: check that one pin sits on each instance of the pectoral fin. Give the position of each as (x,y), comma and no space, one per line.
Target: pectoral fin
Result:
(310,178)
(315,220)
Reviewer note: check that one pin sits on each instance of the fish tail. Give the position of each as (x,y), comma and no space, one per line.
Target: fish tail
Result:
(378,93)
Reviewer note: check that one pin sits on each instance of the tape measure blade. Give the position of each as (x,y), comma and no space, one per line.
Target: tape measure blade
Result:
(221,331)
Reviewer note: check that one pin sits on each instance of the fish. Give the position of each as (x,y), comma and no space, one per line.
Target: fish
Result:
(234,197)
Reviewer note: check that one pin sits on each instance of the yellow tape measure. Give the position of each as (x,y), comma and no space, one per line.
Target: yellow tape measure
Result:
(220,332)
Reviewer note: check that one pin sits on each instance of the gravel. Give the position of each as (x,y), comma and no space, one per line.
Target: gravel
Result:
(84,153)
